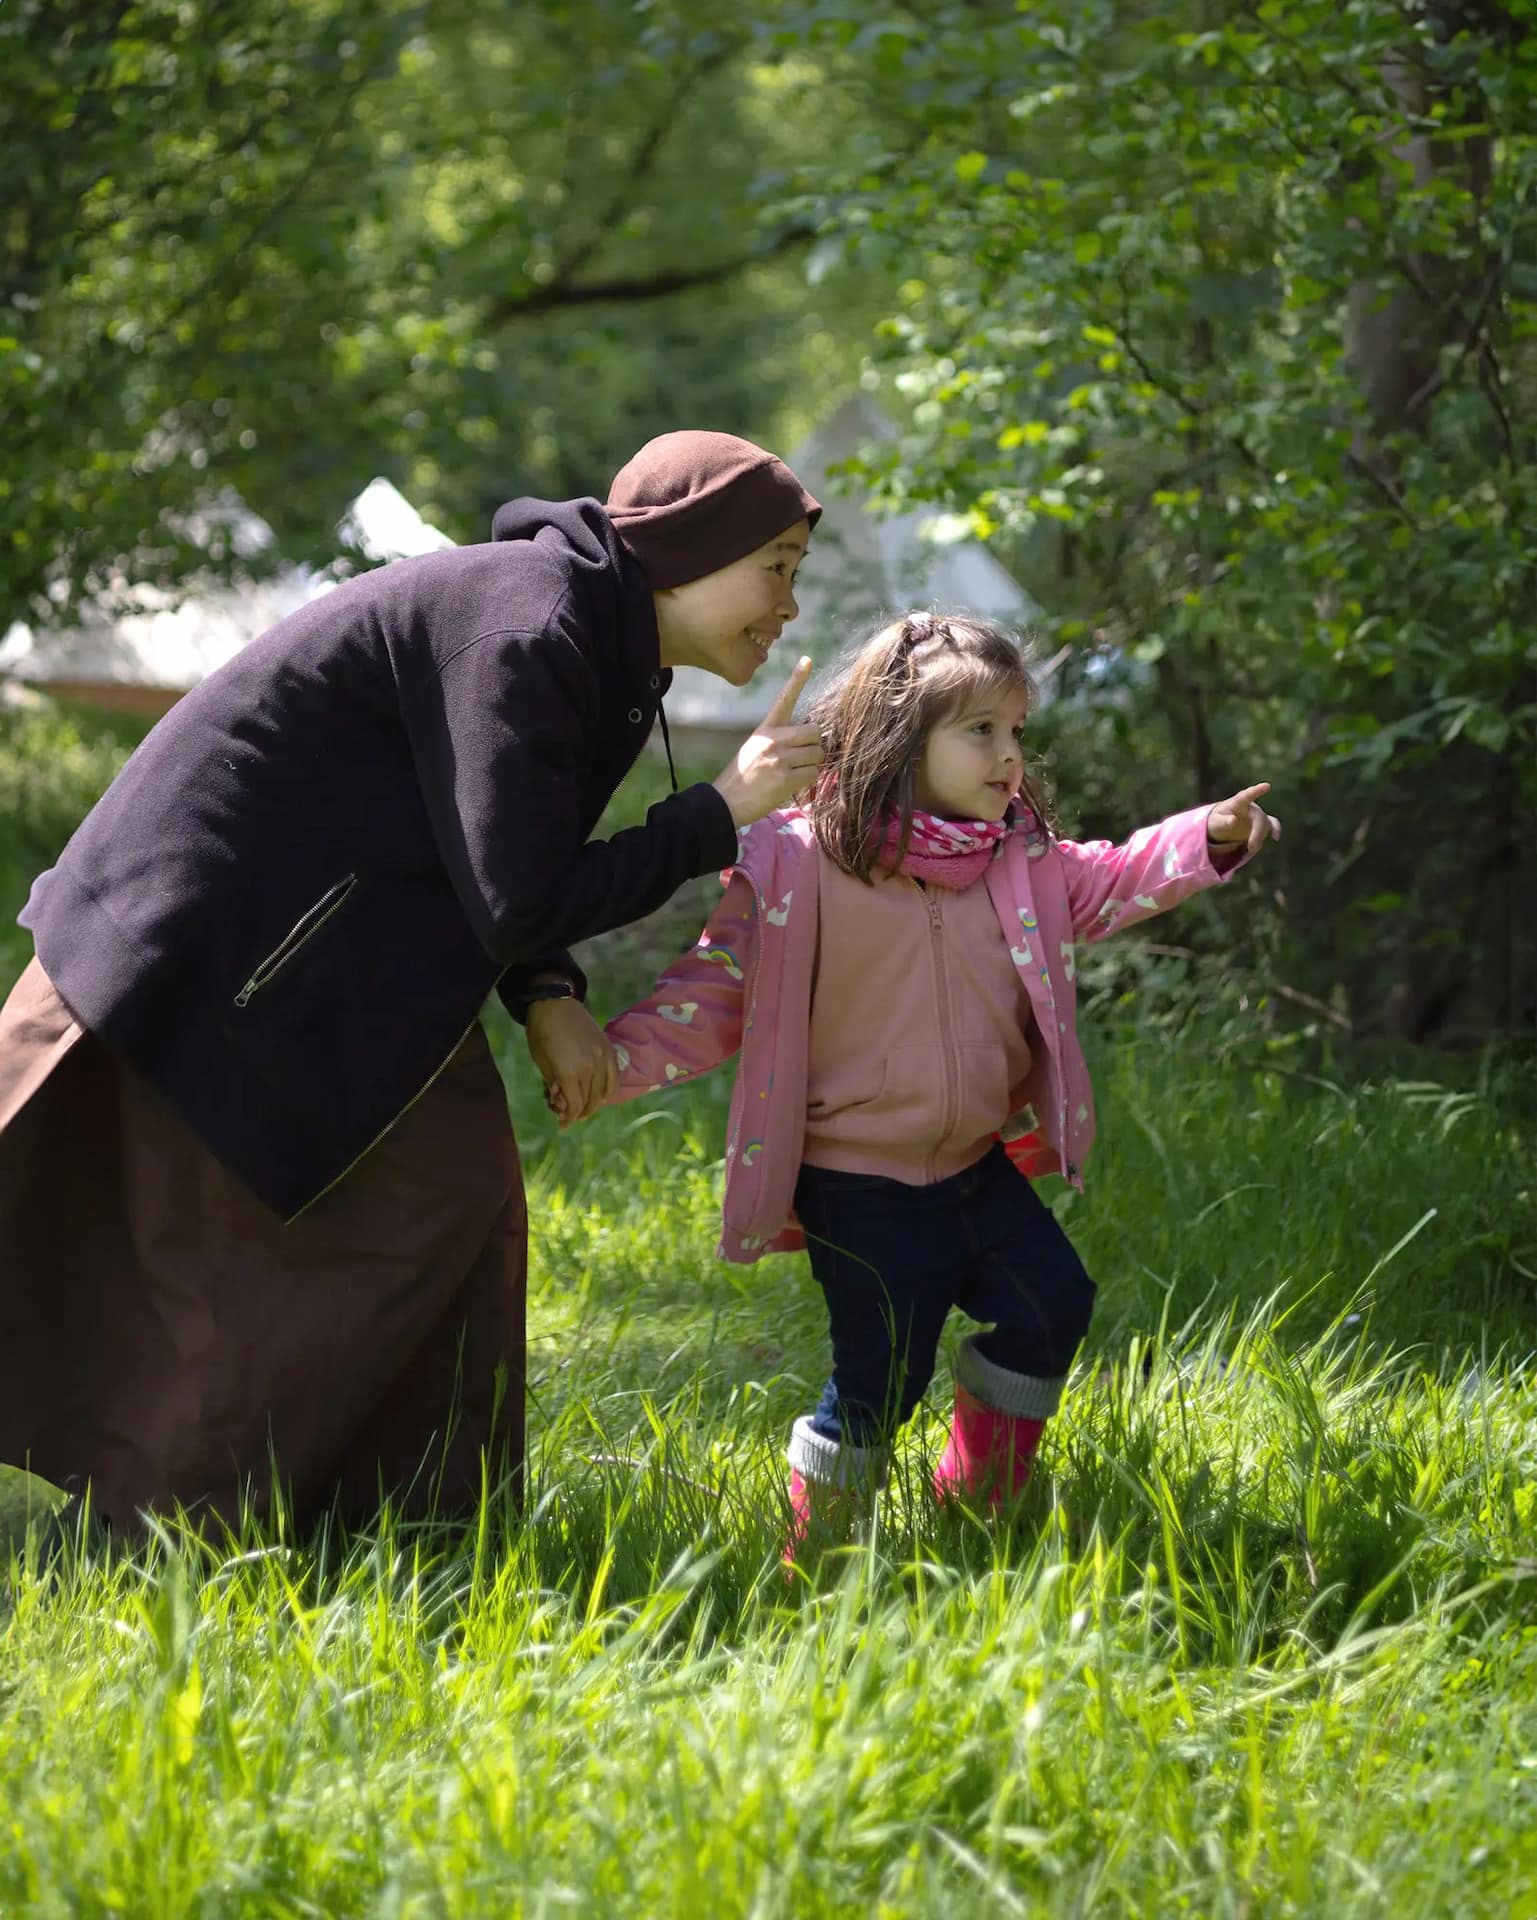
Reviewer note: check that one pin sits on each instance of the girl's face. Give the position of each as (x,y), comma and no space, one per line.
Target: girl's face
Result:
(726,622)
(972,761)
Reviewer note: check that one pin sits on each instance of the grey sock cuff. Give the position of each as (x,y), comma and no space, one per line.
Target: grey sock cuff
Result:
(833,1463)
(1023,1394)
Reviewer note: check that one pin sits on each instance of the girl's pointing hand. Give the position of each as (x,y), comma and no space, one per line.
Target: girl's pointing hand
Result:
(1241,822)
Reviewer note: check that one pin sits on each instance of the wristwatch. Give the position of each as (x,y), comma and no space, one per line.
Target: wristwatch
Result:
(548,990)
(554,986)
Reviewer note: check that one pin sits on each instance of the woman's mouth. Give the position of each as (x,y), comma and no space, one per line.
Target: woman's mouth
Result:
(760,644)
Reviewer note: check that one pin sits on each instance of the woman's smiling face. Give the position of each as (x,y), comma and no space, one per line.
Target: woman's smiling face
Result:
(726,622)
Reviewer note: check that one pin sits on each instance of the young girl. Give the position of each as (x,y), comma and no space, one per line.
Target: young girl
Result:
(895,960)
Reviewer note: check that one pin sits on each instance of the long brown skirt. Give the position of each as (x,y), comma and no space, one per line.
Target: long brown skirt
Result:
(164,1338)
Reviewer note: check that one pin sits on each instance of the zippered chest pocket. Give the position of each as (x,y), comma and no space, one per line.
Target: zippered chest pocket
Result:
(304,929)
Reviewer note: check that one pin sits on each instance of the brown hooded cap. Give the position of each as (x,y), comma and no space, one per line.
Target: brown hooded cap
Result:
(690,503)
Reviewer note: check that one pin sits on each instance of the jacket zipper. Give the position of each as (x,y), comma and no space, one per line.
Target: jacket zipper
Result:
(305,929)
(752,1003)
(946,1040)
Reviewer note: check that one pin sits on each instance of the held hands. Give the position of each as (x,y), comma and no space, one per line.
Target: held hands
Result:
(776,761)
(574,1058)
(1240,823)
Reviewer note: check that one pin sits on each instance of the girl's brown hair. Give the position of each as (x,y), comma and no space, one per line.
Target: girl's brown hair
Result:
(876,712)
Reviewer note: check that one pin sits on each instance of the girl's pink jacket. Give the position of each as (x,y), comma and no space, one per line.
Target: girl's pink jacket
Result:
(748,984)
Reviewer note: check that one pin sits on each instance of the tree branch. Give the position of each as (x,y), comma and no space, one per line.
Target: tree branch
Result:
(273,213)
(629,288)
(561,289)
(1428,391)
(1382,485)
(1198,411)
(640,163)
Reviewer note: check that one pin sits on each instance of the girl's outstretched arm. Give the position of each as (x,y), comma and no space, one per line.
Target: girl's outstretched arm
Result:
(692,1019)
(1110,887)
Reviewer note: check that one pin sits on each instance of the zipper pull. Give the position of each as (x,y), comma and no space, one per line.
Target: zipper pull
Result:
(245,993)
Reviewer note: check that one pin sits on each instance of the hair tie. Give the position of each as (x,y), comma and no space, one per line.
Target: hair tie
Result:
(917,628)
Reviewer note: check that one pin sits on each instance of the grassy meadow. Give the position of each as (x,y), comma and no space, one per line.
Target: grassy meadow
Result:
(1260,1640)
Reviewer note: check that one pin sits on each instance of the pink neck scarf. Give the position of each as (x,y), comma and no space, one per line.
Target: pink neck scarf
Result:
(948,853)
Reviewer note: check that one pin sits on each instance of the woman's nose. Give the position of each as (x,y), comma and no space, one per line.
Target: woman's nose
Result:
(788,605)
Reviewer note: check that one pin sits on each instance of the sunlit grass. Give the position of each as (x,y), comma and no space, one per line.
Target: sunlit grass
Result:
(1262,1639)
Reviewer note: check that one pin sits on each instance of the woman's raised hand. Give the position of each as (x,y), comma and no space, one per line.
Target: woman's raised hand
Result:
(776,761)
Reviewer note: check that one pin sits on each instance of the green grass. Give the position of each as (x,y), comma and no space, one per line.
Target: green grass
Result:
(1261,1640)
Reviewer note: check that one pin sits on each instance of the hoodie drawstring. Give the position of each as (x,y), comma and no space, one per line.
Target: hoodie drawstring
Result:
(672,771)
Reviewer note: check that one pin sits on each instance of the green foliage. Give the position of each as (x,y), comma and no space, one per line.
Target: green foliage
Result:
(1218,319)
(170,254)
(1224,319)
(294,245)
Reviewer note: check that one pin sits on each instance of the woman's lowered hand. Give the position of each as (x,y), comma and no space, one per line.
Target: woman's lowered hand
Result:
(776,760)
(574,1057)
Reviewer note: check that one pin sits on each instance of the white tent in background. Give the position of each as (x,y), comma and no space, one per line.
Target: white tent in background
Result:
(144,658)
(861,567)
(382,524)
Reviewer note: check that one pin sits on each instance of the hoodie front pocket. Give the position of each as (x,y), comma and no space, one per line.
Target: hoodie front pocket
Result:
(305,929)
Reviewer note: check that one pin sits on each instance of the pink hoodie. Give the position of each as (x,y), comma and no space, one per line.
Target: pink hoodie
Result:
(748,983)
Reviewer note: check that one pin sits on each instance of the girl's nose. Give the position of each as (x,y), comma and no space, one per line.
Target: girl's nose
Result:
(789,608)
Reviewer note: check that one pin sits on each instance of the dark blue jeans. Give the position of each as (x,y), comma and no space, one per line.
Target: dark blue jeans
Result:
(893,1259)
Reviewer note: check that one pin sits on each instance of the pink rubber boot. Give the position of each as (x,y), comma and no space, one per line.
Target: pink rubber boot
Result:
(997,1425)
(986,1450)
(830,1491)
(826,1512)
